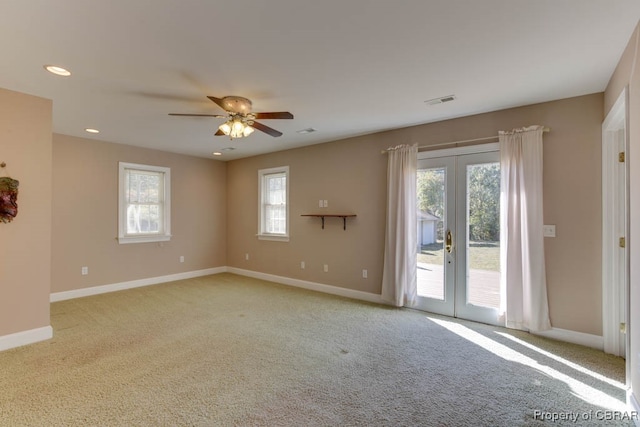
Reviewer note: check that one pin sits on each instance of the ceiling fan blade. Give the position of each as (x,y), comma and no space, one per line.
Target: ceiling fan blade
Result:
(278,115)
(266,129)
(219,116)
(219,133)
(218,101)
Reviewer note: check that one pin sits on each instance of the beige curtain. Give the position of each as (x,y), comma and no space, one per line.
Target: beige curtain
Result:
(399,285)
(524,282)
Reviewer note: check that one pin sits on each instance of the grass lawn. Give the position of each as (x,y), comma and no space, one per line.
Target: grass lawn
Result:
(483,255)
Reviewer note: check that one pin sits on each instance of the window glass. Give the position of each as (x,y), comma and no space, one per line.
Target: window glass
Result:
(144,203)
(274,209)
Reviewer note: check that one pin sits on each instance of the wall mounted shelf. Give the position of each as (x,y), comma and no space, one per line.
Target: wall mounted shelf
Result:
(343,216)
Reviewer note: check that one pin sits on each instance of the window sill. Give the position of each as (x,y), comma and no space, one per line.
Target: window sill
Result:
(274,237)
(143,239)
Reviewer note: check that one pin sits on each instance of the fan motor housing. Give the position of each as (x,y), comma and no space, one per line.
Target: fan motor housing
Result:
(237,104)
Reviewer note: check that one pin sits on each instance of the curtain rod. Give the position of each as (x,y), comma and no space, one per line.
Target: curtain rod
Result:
(464,141)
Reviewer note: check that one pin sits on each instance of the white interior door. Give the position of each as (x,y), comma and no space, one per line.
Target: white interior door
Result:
(459,236)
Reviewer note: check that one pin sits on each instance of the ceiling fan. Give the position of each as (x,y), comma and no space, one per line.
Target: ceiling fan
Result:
(241,121)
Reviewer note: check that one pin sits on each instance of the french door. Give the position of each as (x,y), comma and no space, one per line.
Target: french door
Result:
(459,236)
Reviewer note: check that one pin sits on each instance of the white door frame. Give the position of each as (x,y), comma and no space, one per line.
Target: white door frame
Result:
(615,225)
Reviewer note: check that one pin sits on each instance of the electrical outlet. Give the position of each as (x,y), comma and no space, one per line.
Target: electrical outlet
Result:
(246,256)
(181,258)
(320,203)
(364,274)
(302,265)
(84,271)
(326,268)
(549,230)
(325,203)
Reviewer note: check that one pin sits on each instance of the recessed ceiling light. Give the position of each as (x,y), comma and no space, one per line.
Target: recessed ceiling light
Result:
(217,153)
(91,130)
(228,149)
(307,130)
(59,71)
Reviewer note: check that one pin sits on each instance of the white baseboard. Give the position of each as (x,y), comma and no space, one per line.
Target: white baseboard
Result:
(588,340)
(25,337)
(95,290)
(313,286)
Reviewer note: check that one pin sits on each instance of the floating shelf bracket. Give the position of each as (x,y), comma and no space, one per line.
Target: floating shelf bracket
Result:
(343,216)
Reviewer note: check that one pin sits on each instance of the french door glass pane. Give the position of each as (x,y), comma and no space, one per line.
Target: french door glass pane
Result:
(431,225)
(483,234)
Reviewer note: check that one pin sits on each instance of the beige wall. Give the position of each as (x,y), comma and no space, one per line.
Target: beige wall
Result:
(351,175)
(628,74)
(214,209)
(25,243)
(85,215)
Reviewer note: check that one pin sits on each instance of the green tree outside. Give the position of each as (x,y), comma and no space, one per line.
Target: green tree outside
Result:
(483,199)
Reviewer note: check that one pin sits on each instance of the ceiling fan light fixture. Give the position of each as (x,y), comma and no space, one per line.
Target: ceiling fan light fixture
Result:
(248,130)
(225,127)
(240,121)
(237,126)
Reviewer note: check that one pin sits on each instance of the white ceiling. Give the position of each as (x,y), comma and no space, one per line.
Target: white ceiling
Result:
(343,67)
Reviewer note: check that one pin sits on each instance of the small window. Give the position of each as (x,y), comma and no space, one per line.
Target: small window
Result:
(273,190)
(144,203)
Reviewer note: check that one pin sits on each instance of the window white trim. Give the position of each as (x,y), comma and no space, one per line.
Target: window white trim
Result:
(165,234)
(273,237)
(262,233)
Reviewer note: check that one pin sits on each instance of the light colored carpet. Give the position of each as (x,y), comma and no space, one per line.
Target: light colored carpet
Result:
(226,350)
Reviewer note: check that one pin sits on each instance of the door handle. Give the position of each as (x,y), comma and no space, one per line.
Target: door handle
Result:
(448,244)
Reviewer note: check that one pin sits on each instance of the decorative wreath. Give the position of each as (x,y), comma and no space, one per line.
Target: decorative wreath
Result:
(8,199)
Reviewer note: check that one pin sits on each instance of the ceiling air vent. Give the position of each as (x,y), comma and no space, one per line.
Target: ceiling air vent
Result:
(440,100)
(307,130)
